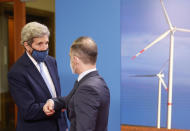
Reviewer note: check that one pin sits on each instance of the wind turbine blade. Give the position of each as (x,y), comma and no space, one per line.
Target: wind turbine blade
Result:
(151,44)
(163,66)
(166,15)
(163,83)
(143,75)
(182,30)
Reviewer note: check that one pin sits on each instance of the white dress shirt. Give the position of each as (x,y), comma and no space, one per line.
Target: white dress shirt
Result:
(85,73)
(46,73)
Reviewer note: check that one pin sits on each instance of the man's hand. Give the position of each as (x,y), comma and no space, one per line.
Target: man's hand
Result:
(49,108)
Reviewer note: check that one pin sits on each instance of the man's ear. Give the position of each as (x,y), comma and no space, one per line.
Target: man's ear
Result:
(76,59)
(27,47)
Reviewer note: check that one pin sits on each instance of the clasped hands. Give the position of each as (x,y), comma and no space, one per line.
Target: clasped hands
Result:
(48,108)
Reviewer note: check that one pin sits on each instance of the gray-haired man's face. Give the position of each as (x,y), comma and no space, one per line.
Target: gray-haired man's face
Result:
(39,44)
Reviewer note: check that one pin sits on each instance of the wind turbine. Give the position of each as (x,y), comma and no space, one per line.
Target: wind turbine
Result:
(171,31)
(161,82)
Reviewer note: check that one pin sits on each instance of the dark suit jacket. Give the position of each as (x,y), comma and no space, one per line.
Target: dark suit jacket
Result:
(87,104)
(30,93)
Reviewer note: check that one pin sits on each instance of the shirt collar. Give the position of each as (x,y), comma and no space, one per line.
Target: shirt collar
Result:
(32,59)
(85,73)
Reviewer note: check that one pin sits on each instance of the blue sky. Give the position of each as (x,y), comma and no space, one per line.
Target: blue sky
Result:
(142,21)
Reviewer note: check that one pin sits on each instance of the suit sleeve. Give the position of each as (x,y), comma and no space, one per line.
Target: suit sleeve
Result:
(86,104)
(62,102)
(59,103)
(24,99)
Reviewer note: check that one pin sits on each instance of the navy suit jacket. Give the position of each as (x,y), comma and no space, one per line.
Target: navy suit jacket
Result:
(87,104)
(30,93)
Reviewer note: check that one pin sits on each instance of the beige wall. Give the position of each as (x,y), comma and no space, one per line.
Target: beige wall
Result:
(46,5)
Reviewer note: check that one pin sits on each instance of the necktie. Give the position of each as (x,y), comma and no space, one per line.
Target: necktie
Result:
(51,90)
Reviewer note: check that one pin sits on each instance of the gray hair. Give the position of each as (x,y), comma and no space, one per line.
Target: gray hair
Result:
(33,30)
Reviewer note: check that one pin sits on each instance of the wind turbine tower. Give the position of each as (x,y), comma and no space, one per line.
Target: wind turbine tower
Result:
(171,31)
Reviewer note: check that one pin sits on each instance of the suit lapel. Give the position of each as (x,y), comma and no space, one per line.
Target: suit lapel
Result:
(35,74)
(53,76)
(76,86)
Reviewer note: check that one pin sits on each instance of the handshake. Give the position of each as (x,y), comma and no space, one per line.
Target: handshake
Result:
(48,108)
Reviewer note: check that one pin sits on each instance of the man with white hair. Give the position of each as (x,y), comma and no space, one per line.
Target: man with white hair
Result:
(34,79)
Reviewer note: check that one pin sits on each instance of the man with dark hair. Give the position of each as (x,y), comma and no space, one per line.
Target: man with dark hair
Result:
(88,103)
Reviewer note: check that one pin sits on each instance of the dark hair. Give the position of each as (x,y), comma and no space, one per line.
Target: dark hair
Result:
(86,49)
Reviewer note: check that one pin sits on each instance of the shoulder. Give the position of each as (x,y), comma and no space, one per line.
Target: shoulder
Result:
(50,58)
(51,61)
(94,84)
(19,66)
(17,74)
(94,81)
